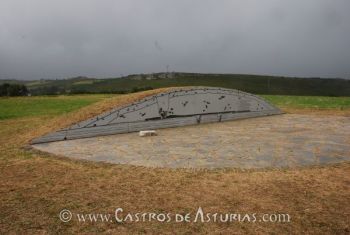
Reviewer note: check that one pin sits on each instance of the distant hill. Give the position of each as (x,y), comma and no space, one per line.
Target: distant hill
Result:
(256,84)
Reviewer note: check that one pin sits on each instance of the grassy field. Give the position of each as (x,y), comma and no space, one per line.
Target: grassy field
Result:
(309,102)
(35,187)
(44,105)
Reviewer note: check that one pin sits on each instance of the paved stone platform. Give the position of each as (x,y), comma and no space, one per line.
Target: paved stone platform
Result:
(276,141)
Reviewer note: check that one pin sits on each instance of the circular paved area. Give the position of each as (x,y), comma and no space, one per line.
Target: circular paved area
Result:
(276,141)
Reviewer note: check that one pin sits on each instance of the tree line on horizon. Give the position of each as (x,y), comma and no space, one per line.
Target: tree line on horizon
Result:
(256,84)
(7,89)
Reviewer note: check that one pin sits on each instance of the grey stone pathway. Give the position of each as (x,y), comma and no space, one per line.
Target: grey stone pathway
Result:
(276,141)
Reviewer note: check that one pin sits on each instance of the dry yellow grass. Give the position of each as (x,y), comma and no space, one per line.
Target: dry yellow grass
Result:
(35,187)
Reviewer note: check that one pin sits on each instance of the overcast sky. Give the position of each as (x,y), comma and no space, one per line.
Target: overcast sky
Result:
(107,38)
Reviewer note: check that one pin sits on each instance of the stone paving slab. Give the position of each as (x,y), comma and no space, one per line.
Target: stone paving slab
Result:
(276,141)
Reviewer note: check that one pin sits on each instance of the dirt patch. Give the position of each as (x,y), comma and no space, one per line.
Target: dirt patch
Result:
(288,140)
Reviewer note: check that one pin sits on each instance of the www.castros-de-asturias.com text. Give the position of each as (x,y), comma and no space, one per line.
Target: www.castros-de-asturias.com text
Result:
(199,216)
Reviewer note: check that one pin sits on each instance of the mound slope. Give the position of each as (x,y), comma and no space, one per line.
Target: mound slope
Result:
(172,108)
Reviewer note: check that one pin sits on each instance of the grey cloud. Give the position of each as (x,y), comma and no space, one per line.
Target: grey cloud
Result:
(104,38)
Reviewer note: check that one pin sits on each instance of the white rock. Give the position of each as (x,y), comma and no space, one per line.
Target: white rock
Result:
(147,133)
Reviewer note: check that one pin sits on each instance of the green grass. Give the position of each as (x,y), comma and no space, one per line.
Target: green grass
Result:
(44,105)
(83,82)
(36,83)
(313,102)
